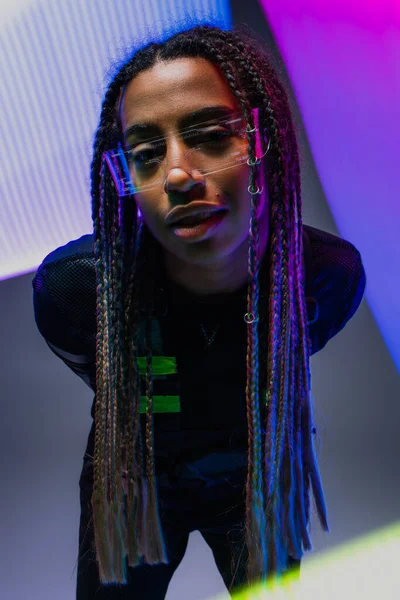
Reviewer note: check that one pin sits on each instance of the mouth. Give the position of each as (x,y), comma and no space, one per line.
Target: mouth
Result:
(197,227)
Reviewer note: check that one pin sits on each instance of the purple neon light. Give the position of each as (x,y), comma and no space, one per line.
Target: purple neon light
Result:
(343,59)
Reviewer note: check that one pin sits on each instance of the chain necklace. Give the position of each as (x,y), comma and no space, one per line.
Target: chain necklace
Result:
(248,318)
(209,339)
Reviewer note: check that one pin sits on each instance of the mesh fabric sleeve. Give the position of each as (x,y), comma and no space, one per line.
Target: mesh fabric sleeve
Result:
(64,303)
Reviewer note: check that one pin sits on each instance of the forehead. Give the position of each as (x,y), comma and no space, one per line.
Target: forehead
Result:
(169,90)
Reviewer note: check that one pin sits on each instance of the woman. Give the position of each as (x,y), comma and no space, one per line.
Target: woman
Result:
(194,320)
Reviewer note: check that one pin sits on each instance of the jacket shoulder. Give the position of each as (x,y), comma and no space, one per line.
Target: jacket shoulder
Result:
(64,297)
(338,284)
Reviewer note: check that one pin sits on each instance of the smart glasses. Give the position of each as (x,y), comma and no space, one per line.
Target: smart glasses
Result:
(209,147)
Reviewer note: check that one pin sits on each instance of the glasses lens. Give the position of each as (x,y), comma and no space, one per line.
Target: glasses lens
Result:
(213,148)
(147,164)
(209,147)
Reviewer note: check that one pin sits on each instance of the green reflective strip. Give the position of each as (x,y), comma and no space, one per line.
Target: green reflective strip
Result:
(162,404)
(162,365)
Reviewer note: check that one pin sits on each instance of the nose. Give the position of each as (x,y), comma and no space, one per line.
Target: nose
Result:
(182,180)
(181,176)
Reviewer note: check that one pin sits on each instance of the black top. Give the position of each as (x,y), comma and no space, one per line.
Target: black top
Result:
(212,379)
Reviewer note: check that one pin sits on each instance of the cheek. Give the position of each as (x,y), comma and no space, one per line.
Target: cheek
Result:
(147,205)
(241,199)
(235,182)
(243,178)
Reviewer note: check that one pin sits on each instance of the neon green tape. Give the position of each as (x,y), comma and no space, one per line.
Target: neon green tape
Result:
(162,404)
(162,365)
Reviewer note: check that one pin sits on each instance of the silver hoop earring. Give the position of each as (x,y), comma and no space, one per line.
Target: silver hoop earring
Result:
(253,163)
(257,191)
(250,318)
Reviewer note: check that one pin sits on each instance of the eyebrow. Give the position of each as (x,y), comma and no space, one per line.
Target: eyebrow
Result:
(143,130)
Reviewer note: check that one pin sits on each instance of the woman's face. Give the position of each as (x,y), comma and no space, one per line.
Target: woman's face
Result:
(160,100)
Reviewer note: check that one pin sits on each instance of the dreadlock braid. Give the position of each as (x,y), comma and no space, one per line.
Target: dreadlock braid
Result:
(126,519)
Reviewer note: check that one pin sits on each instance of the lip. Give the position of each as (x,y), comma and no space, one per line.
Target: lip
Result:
(196,233)
(190,210)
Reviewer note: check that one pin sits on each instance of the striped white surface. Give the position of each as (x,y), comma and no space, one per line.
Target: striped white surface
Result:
(54,56)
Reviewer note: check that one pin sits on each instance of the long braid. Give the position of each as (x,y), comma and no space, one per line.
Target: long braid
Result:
(136,485)
(302,495)
(156,546)
(311,459)
(105,503)
(284,383)
(278,553)
(111,442)
(98,499)
(119,532)
(294,518)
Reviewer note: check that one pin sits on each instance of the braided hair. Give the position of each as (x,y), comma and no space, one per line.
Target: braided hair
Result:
(282,466)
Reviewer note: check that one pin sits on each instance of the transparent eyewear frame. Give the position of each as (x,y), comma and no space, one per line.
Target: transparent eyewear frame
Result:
(214,145)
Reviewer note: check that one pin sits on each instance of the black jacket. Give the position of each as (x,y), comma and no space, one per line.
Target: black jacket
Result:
(212,381)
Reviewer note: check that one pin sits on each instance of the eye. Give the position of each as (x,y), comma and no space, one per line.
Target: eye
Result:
(211,138)
(145,159)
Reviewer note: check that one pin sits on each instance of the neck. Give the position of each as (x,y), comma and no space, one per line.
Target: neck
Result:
(224,276)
